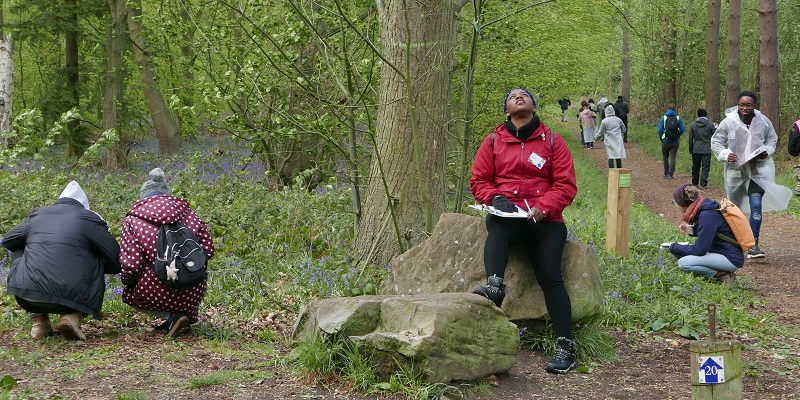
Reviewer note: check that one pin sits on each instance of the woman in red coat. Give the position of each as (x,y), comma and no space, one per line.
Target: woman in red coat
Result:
(523,164)
(143,290)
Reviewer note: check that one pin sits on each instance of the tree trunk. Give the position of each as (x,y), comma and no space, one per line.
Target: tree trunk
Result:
(116,41)
(769,102)
(732,74)
(74,143)
(626,54)
(6,87)
(712,60)
(410,142)
(169,139)
(668,41)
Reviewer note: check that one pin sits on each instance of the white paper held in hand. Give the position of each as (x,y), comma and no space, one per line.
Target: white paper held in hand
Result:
(520,213)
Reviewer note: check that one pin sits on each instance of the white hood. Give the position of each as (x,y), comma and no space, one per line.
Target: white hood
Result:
(74,191)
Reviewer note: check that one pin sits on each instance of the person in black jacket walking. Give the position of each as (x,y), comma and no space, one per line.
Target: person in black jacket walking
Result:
(59,256)
(621,111)
(700,147)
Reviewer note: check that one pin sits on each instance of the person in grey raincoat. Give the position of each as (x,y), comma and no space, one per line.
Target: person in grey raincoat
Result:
(746,140)
(59,256)
(613,129)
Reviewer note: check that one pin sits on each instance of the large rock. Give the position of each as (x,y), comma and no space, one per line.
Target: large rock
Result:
(447,337)
(451,260)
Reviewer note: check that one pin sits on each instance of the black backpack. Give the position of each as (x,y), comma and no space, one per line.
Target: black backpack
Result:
(180,260)
(672,127)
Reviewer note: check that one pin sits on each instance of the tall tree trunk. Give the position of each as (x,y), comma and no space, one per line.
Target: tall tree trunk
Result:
(669,94)
(169,139)
(626,54)
(74,143)
(6,80)
(769,103)
(712,60)
(733,73)
(116,41)
(409,132)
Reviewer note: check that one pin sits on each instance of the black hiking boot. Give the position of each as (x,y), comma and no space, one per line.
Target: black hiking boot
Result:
(564,359)
(494,290)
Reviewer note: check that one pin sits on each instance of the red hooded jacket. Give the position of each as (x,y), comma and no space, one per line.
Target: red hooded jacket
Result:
(143,289)
(507,167)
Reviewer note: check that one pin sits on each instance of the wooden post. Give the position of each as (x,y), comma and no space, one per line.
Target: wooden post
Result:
(730,379)
(618,214)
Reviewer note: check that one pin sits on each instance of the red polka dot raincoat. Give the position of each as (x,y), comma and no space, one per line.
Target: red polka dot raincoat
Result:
(143,289)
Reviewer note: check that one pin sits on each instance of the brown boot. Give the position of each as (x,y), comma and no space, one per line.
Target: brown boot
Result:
(41,326)
(69,325)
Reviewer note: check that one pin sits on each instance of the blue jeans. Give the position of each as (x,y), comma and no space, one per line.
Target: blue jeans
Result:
(706,265)
(755,213)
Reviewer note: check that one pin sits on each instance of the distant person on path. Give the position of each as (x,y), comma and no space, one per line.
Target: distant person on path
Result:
(59,256)
(565,104)
(523,164)
(746,140)
(621,111)
(143,289)
(670,129)
(601,106)
(613,130)
(794,139)
(794,151)
(710,256)
(700,147)
(586,118)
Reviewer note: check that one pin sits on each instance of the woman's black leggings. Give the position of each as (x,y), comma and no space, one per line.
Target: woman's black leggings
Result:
(544,241)
(612,161)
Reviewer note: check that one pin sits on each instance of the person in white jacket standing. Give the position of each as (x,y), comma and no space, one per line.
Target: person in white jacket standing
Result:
(613,129)
(746,140)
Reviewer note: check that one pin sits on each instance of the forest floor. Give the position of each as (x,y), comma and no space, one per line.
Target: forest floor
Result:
(146,366)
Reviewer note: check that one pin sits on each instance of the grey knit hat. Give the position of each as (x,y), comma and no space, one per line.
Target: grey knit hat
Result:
(156,183)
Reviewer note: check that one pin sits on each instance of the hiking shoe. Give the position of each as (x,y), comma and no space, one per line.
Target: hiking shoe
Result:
(178,324)
(69,325)
(41,326)
(725,278)
(755,252)
(163,326)
(494,290)
(564,359)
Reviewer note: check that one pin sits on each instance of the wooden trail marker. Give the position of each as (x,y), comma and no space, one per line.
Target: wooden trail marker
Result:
(716,365)
(618,213)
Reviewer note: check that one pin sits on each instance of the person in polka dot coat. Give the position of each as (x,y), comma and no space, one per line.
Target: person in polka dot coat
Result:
(143,290)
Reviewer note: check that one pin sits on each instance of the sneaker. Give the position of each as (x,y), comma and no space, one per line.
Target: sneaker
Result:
(564,359)
(41,326)
(494,290)
(178,324)
(725,278)
(755,252)
(670,176)
(666,176)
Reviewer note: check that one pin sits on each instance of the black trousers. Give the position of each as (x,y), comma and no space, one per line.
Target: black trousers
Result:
(699,160)
(612,161)
(669,150)
(36,307)
(545,242)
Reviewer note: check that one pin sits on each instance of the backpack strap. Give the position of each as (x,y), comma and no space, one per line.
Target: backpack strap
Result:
(727,239)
